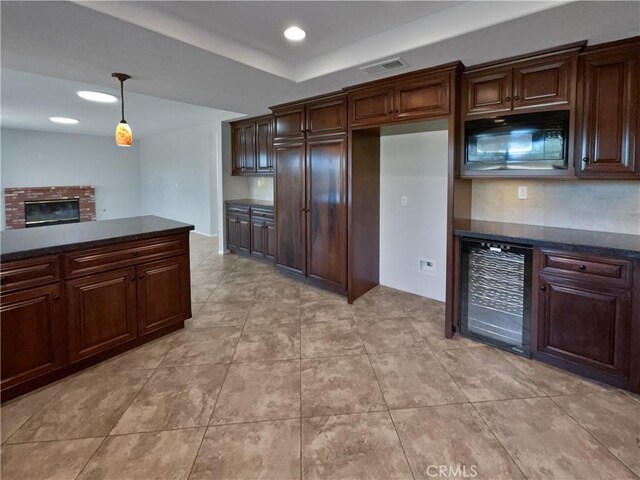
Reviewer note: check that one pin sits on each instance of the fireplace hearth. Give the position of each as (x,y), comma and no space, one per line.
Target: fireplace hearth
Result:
(51,212)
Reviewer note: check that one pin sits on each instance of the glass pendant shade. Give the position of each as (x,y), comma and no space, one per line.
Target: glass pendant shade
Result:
(124,137)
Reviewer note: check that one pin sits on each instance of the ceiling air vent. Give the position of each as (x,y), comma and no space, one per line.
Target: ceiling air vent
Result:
(385,66)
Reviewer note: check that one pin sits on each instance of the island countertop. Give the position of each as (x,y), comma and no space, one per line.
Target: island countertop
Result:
(32,242)
(588,241)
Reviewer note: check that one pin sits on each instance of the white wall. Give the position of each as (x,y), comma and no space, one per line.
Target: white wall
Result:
(609,206)
(38,159)
(414,165)
(179,176)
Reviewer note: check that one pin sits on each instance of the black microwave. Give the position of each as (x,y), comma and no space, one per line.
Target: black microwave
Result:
(526,142)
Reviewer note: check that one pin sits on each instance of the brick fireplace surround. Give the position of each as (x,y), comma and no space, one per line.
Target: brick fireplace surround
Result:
(14,199)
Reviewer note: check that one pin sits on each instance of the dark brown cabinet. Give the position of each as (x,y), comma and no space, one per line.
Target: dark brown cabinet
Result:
(251,229)
(584,320)
(238,229)
(251,146)
(63,312)
(414,97)
(608,124)
(102,312)
(33,334)
(290,205)
(521,86)
(310,191)
(289,123)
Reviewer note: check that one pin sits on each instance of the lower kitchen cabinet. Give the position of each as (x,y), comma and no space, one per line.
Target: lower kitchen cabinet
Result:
(585,317)
(251,229)
(263,238)
(33,334)
(102,312)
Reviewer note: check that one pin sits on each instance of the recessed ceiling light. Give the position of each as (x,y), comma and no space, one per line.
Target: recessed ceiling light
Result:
(295,33)
(64,120)
(97,96)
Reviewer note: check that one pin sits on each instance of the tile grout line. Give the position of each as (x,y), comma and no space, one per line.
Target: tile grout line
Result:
(499,442)
(592,435)
(393,423)
(226,373)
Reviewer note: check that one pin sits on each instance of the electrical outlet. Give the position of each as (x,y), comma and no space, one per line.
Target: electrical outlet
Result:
(522,192)
(404,200)
(427,265)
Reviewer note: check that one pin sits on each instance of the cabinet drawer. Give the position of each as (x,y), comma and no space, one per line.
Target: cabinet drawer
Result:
(237,210)
(262,213)
(29,273)
(586,267)
(124,254)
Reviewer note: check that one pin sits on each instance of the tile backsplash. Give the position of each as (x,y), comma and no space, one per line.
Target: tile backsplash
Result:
(261,188)
(588,205)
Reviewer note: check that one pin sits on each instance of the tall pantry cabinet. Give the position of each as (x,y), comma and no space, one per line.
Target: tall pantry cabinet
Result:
(310,151)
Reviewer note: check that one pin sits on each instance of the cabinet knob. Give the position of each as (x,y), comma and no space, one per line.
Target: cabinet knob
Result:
(55,298)
(516,97)
(582,267)
(390,112)
(585,159)
(508,99)
(135,254)
(543,288)
(140,277)
(302,210)
(133,278)
(396,111)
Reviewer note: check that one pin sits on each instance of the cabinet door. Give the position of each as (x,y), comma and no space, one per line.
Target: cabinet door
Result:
(488,91)
(164,293)
(233,232)
(101,312)
(249,148)
(288,123)
(33,334)
(371,106)
(422,98)
(585,324)
(244,233)
(608,123)
(258,247)
(270,239)
(543,82)
(327,117)
(264,144)
(290,205)
(237,150)
(327,215)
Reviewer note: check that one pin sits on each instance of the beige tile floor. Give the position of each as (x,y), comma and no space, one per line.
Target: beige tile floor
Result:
(272,379)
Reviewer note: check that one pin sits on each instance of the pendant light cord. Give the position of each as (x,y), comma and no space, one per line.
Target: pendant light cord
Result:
(122,99)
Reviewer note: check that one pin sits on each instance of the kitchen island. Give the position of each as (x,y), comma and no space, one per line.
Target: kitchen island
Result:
(76,294)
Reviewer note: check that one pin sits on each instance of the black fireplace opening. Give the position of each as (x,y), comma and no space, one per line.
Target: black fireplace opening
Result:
(51,212)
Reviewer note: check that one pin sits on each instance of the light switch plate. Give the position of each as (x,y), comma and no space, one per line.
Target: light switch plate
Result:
(404,200)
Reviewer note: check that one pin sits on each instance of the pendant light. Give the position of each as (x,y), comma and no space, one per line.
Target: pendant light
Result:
(124,137)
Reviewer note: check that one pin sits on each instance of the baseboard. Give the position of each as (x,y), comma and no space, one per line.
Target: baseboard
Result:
(205,234)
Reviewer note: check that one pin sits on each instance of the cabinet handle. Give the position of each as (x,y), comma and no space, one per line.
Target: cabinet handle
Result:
(140,277)
(55,298)
(543,288)
(508,99)
(582,267)
(516,97)
(390,112)
(396,111)
(133,278)
(302,210)
(585,159)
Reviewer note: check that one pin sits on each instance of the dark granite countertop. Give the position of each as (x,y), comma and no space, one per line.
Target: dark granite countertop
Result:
(587,241)
(251,202)
(31,242)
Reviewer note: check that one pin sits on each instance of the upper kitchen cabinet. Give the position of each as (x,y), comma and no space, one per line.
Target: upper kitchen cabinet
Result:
(544,80)
(406,97)
(252,146)
(608,102)
(289,123)
(327,116)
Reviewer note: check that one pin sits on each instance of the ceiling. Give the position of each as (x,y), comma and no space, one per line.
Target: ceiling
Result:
(230,55)
(29,100)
